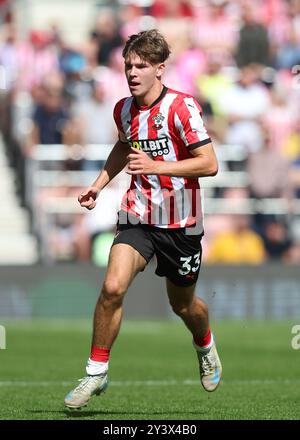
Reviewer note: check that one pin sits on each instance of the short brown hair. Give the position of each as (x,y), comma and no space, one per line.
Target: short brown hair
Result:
(149,45)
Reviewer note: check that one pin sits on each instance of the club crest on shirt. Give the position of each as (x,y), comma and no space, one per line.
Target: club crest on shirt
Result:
(158,121)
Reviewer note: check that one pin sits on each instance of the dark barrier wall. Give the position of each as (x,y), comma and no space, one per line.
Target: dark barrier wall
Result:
(264,292)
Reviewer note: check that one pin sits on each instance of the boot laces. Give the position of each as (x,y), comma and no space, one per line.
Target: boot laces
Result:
(86,383)
(208,364)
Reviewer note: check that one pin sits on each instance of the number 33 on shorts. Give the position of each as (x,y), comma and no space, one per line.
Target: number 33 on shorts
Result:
(189,264)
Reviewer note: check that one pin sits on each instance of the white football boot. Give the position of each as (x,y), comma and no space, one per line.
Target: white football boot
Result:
(209,366)
(88,387)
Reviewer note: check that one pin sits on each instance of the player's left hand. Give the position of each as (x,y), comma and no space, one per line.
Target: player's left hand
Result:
(140,163)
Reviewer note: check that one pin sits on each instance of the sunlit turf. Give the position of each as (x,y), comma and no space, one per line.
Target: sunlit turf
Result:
(153,372)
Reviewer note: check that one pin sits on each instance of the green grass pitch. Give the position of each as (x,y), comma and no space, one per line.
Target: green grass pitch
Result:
(153,372)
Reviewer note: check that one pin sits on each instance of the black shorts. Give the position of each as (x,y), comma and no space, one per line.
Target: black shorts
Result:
(178,253)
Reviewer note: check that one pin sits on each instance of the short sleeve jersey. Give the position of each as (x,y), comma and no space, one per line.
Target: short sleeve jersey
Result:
(167,131)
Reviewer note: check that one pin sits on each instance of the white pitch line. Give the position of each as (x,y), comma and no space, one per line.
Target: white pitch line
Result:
(149,382)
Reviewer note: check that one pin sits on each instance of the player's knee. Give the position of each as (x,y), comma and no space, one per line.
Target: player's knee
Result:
(112,292)
(181,310)
(190,308)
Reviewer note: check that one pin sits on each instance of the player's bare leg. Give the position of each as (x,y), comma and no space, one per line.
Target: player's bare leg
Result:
(194,313)
(124,264)
(191,309)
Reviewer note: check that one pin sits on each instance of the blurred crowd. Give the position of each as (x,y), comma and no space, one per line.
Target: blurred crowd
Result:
(239,58)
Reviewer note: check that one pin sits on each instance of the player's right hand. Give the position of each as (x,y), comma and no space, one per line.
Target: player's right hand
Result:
(87,199)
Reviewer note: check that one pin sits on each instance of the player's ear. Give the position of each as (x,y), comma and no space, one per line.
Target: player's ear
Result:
(160,69)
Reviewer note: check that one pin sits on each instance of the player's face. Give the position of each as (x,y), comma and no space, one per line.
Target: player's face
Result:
(141,75)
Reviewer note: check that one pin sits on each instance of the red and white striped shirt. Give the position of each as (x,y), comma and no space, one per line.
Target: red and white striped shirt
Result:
(167,130)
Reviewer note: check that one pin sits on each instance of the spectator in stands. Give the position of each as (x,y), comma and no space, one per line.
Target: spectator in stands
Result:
(70,60)
(130,16)
(280,119)
(292,256)
(253,45)
(291,148)
(215,29)
(292,152)
(214,83)
(61,237)
(230,237)
(171,9)
(276,239)
(294,177)
(289,54)
(241,245)
(94,123)
(78,86)
(294,17)
(67,239)
(181,74)
(244,104)
(114,74)
(106,35)
(49,118)
(8,59)
(268,173)
(36,58)
(274,15)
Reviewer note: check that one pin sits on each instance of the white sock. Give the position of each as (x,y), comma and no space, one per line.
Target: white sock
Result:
(93,367)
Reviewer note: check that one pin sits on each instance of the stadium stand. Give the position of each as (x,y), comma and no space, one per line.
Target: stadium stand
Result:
(240,59)
(17,244)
